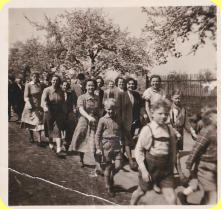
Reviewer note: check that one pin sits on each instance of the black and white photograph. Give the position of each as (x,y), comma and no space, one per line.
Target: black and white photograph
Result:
(112,105)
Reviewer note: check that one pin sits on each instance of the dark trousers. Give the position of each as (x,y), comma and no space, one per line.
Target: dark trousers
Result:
(54,124)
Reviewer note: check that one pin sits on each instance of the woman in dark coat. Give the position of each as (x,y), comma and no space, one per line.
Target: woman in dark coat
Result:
(131,111)
(71,113)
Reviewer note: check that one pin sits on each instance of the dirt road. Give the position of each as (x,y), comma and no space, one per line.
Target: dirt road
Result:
(63,181)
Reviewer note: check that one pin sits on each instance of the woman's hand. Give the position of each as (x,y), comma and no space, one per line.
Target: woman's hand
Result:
(28,105)
(91,119)
(45,109)
(146,176)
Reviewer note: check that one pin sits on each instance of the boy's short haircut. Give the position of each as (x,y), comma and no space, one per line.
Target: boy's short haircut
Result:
(111,102)
(162,102)
(177,92)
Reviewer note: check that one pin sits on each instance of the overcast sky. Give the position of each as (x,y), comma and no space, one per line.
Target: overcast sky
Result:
(20,30)
(131,19)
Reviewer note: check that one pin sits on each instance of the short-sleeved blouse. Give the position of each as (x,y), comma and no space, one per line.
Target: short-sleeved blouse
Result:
(91,104)
(33,93)
(152,95)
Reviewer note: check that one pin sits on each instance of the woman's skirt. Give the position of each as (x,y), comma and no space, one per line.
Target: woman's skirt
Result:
(83,139)
(32,119)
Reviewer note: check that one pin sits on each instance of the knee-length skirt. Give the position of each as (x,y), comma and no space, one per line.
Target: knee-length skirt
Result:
(32,119)
(83,139)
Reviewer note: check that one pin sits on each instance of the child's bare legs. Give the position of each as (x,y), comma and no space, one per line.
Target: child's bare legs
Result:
(133,165)
(107,178)
(137,194)
(209,198)
(118,166)
(98,169)
(114,170)
(179,169)
(169,195)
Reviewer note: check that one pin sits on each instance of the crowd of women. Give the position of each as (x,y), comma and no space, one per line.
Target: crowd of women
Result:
(110,124)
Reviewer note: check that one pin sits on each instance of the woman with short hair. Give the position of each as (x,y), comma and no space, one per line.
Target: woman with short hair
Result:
(52,102)
(89,107)
(131,111)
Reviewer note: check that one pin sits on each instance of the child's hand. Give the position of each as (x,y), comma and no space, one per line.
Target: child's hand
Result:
(146,176)
(98,152)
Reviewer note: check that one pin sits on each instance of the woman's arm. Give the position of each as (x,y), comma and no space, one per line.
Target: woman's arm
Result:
(86,115)
(44,103)
(27,96)
(147,107)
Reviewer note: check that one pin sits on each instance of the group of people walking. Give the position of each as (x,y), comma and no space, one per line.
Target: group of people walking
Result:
(110,124)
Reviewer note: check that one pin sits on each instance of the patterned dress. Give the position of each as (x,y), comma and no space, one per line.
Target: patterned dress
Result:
(83,139)
(32,118)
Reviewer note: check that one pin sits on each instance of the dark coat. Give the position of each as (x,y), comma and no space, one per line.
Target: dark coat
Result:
(130,113)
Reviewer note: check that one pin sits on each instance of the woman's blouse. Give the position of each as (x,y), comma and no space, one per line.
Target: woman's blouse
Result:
(91,104)
(32,93)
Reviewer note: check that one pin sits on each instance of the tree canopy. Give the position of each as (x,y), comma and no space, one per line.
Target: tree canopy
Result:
(168,26)
(82,40)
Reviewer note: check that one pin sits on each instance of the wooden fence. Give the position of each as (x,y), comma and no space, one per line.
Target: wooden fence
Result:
(196,88)
(190,84)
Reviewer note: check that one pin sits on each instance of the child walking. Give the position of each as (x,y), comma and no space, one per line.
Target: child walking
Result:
(108,137)
(204,156)
(179,121)
(155,154)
